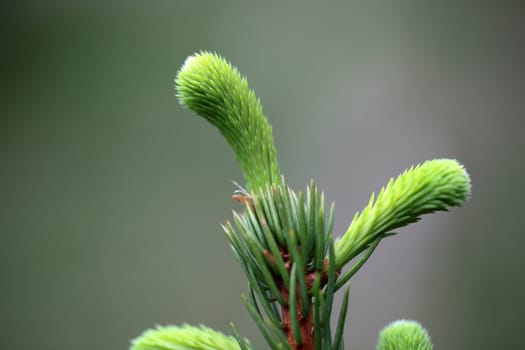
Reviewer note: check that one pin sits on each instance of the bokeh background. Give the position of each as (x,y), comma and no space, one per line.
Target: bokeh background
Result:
(111,194)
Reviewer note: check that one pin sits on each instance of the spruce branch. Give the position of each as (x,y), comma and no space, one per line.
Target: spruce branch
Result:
(283,240)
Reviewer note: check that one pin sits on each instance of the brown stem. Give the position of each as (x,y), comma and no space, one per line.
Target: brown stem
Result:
(306,324)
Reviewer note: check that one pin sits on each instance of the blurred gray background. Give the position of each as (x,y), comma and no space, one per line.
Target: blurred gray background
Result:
(111,194)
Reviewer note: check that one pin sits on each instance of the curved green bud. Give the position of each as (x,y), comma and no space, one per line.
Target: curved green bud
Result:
(210,86)
(404,335)
(432,186)
(184,338)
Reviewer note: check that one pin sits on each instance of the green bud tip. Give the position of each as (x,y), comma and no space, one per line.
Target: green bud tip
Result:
(210,86)
(435,185)
(183,338)
(404,335)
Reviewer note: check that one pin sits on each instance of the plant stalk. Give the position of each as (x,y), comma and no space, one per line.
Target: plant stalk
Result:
(306,323)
